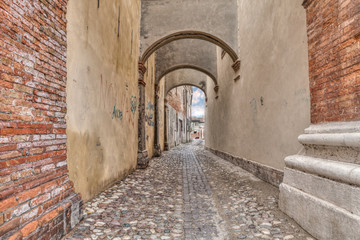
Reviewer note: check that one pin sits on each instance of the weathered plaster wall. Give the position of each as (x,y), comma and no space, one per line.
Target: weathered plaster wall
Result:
(149,79)
(174,98)
(102,92)
(260,116)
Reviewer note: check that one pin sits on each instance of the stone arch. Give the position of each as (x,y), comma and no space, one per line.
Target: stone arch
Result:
(188,66)
(189,35)
(187,84)
(194,52)
(187,76)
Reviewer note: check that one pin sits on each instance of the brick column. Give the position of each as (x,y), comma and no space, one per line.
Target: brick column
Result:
(322,184)
(142,158)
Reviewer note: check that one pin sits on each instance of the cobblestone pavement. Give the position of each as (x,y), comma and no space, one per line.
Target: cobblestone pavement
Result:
(188,193)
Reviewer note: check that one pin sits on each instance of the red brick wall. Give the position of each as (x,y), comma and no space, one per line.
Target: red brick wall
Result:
(175,100)
(36,194)
(334,59)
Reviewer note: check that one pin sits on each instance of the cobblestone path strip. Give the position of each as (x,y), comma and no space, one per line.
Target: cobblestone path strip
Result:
(148,204)
(190,194)
(202,221)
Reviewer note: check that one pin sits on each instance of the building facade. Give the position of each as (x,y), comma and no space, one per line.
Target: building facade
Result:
(178,114)
(197,128)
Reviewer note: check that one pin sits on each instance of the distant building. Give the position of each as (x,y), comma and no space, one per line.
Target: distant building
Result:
(177,116)
(197,128)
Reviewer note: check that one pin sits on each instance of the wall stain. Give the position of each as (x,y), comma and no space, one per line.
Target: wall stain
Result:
(253,103)
(303,94)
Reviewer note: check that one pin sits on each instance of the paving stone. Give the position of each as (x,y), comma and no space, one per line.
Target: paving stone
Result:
(187,193)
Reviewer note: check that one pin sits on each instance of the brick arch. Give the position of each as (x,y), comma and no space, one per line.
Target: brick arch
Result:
(188,66)
(189,35)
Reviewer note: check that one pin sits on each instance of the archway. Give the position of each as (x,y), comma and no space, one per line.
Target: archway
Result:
(193,67)
(192,85)
(183,104)
(189,35)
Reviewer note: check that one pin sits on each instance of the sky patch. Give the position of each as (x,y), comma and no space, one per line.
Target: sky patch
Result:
(198,103)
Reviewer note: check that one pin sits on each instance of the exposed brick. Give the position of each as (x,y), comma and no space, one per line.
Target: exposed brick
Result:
(7,203)
(22,174)
(5,179)
(12,131)
(24,196)
(31,214)
(16,236)
(7,227)
(9,155)
(29,228)
(39,200)
(49,216)
(10,191)
(36,151)
(334,55)
(8,147)
(17,211)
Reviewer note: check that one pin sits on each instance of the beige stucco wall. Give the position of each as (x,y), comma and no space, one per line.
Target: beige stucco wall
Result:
(149,79)
(102,92)
(274,67)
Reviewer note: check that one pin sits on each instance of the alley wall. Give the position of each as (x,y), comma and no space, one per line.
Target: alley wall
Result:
(268,106)
(102,92)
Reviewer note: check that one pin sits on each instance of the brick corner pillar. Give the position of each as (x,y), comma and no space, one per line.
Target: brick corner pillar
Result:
(37,198)
(142,159)
(321,187)
(157,148)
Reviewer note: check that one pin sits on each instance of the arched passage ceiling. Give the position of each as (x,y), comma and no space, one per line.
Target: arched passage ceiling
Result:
(186,53)
(218,18)
(185,77)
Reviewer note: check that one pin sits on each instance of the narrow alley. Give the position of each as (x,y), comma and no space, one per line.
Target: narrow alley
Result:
(179,119)
(187,193)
